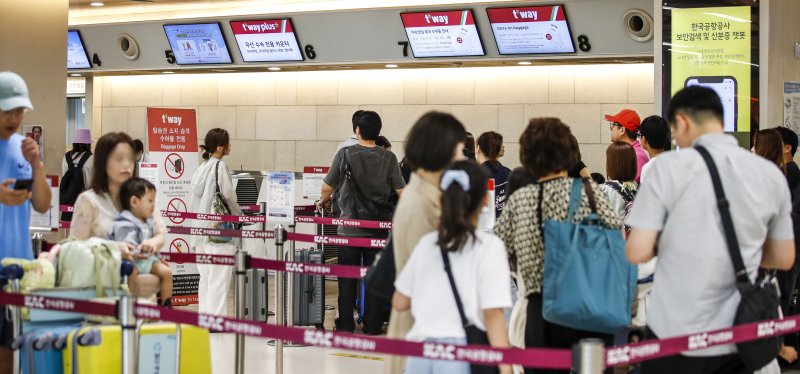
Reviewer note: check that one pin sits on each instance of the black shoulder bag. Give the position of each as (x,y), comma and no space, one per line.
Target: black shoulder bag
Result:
(359,204)
(380,277)
(760,301)
(475,336)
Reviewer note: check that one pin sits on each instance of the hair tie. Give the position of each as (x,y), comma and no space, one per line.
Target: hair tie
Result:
(458,176)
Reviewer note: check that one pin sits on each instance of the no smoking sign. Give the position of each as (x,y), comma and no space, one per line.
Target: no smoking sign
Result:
(179,246)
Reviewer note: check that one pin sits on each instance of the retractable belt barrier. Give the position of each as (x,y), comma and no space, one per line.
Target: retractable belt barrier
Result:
(247,208)
(536,358)
(539,358)
(258,234)
(342,271)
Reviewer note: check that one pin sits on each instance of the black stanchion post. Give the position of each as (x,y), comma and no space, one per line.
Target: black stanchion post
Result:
(280,237)
(588,357)
(241,264)
(38,244)
(127,318)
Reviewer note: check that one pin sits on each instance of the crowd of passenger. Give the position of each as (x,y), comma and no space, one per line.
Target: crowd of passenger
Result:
(456,280)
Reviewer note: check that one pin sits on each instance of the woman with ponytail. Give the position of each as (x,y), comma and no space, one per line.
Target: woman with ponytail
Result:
(213,176)
(490,146)
(456,273)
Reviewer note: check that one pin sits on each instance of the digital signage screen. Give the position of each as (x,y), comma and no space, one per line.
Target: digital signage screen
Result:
(531,30)
(266,40)
(77,58)
(442,34)
(197,44)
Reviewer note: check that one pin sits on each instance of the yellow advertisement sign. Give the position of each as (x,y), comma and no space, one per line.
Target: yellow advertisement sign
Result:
(711,47)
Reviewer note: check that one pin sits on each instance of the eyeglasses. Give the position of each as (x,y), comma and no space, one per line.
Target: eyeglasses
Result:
(613,125)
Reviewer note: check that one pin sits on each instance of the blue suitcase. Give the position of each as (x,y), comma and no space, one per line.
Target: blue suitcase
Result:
(41,349)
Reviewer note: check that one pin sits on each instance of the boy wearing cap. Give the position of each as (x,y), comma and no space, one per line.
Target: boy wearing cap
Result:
(19,160)
(625,128)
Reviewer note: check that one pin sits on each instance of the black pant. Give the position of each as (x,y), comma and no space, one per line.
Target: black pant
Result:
(542,334)
(727,364)
(348,289)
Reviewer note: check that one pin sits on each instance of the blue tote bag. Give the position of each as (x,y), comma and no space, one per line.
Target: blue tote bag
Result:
(588,283)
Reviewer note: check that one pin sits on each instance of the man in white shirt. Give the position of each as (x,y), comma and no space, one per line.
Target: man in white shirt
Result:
(676,212)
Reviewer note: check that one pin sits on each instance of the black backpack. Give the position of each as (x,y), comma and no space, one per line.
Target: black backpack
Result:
(72,183)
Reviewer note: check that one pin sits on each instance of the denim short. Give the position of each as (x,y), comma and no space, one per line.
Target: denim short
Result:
(419,365)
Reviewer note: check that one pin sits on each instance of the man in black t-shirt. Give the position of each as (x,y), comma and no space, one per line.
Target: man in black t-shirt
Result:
(363,175)
(789,149)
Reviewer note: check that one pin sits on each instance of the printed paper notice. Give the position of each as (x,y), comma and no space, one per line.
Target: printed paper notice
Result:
(149,172)
(313,178)
(280,197)
(791,106)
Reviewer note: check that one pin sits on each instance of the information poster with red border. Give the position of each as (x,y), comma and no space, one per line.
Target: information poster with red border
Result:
(530,30)
(172,142)
(442,34)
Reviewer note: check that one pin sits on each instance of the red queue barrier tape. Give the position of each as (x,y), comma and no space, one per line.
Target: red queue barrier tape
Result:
(257,234)
(58,303)
(540,358)
(249,208)
(342,271)
(345,222)
(337,240)
(213,217)
(197,231)
(652,349)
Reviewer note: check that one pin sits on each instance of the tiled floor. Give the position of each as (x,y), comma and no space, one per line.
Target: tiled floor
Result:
(260,357)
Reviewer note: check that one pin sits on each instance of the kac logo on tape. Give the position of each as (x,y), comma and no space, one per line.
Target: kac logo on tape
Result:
(210,322)
(34,302)
(624,355)
(773,328)
(703,340)
(439,351)
(318,338)
(377,242)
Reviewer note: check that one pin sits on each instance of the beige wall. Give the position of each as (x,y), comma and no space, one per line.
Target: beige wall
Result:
(784,31)
(287,120)
(33,36)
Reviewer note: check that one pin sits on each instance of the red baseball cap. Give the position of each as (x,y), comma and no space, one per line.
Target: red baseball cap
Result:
(627,119)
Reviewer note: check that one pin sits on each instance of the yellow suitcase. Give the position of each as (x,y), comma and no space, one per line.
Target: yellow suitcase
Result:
(98,349)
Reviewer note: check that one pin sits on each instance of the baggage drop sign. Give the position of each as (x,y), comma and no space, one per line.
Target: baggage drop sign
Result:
(172,142)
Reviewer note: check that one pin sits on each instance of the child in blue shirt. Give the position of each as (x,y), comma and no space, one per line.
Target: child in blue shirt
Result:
(135,225)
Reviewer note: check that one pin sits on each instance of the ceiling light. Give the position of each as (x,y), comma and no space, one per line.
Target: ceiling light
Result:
(274,68)
(524,63)
(391,66)
(74,75)
(97,3)
(168,72)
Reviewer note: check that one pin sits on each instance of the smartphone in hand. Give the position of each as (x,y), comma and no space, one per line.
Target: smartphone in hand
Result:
(23,184)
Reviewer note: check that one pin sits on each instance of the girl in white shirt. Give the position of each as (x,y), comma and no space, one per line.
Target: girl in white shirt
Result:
(479,267)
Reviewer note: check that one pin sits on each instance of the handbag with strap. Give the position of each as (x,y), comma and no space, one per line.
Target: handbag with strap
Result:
(760,301)
(588,282)
(220,206)
(380,277)
(475,336)
(361,206)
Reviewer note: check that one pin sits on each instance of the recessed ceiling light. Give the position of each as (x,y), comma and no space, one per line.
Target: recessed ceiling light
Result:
(274,68)
(391,66)
(524,63)
(168,72)
(74,75)
(97,3)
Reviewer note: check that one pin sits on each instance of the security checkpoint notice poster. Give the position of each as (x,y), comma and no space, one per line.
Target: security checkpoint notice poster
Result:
(266,40)
(529,30)
(711,47)
(172,140)
(442,34)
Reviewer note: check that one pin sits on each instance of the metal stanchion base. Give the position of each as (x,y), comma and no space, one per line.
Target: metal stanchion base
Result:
(329,307)
(270,312)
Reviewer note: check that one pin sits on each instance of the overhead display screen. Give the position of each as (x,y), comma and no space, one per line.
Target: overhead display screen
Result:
(77,58)
(442,34)
(531,30)
(266,40)
(200,43)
